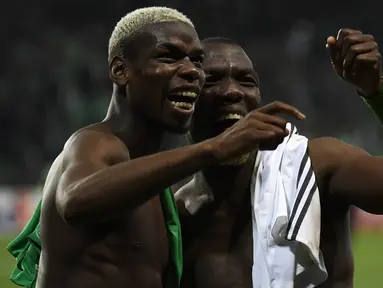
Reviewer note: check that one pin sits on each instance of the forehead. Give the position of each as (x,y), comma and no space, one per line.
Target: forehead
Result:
(226,56)
(175,33)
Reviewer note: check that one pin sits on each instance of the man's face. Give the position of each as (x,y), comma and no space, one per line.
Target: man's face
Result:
(166,76)
(231,90)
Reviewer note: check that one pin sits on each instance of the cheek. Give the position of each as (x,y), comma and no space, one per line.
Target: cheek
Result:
(208,95)
(253,100)
(202,77)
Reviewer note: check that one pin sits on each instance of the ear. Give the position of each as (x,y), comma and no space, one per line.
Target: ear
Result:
(119,72)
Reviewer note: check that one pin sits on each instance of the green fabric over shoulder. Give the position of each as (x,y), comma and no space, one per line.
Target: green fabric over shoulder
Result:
(173,273)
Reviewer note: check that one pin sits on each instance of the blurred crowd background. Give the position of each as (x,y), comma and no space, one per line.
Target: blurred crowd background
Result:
(54,80)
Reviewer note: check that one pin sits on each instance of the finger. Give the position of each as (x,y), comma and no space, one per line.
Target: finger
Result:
(357,49)
(280,130)
(264,135)
(343,33)
(332,49)
(334,53)
(372,58)
(352,39)
(274,121)
(279,107)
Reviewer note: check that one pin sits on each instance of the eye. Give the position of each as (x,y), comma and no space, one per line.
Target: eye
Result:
(212,80)
(166,59)
(248,82)
(197,61)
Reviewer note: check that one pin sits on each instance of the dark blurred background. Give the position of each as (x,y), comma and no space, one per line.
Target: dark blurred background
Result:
(54,74)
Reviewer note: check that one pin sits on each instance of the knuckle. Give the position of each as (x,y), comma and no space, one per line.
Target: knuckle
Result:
(274,105)
(271,133)
(277,104)
(348,38)
(354,49)
(253,115)
(341,32)
(347,31)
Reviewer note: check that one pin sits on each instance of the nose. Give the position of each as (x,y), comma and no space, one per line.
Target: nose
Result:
(232,94)
(188,71)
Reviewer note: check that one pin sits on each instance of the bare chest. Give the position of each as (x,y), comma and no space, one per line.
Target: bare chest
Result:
(138,237)
(222,256)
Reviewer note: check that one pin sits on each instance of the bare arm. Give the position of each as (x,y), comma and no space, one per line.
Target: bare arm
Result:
(350,173)
(91,189)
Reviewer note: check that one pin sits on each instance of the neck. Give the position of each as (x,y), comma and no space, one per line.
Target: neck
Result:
(141,135)
(230,183)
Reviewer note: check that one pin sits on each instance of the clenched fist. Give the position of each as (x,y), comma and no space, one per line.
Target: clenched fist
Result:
(355,58)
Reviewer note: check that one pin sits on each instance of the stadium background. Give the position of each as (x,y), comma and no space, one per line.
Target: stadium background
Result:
(54,79)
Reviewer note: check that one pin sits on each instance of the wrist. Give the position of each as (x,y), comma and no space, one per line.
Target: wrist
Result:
(375,94)
(209,151)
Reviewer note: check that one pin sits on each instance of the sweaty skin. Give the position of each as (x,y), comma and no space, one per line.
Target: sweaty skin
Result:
(102,224)
(218,238)
(101,220)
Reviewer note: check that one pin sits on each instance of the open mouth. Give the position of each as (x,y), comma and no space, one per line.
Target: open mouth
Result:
(183,100)
(227,121)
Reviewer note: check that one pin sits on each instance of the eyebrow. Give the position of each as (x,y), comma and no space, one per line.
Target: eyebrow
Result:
(221,68)
(173,48)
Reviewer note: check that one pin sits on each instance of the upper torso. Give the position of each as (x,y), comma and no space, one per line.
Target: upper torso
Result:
(209,263)
(130,251)
(217,249)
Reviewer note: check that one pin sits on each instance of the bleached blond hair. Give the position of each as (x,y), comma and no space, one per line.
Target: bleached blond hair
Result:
(133,23)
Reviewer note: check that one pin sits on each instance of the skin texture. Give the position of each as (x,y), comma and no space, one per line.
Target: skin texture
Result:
(218,238)
(102,223)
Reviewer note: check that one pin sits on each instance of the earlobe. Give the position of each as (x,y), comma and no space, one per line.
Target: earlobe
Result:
(118,71)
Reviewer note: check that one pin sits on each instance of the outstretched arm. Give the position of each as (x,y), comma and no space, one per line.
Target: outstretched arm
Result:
(99,182)
(349,173)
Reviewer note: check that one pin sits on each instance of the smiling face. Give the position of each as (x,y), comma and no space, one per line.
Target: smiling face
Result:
(163,74)
(231,90)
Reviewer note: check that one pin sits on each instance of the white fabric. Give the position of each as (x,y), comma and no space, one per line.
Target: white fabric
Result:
(194,194)
(286,218)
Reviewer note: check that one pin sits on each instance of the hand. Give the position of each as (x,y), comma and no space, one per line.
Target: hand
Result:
(260,128)
(356,59)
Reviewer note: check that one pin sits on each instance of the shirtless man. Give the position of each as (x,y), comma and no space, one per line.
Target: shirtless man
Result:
(102,222)
(218,237)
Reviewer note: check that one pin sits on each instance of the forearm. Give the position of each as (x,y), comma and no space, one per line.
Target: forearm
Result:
(116,189)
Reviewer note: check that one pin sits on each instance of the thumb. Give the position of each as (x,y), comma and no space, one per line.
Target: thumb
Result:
(333,53)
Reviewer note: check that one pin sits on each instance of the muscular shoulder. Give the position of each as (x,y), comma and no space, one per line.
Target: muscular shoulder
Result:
(94,144)
(331,150)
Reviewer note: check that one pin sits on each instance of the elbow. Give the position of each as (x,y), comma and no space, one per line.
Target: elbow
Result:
(68,207)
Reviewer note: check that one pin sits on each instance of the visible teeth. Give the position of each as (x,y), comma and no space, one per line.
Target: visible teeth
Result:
(187,94)
(233,116)
(182,104)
